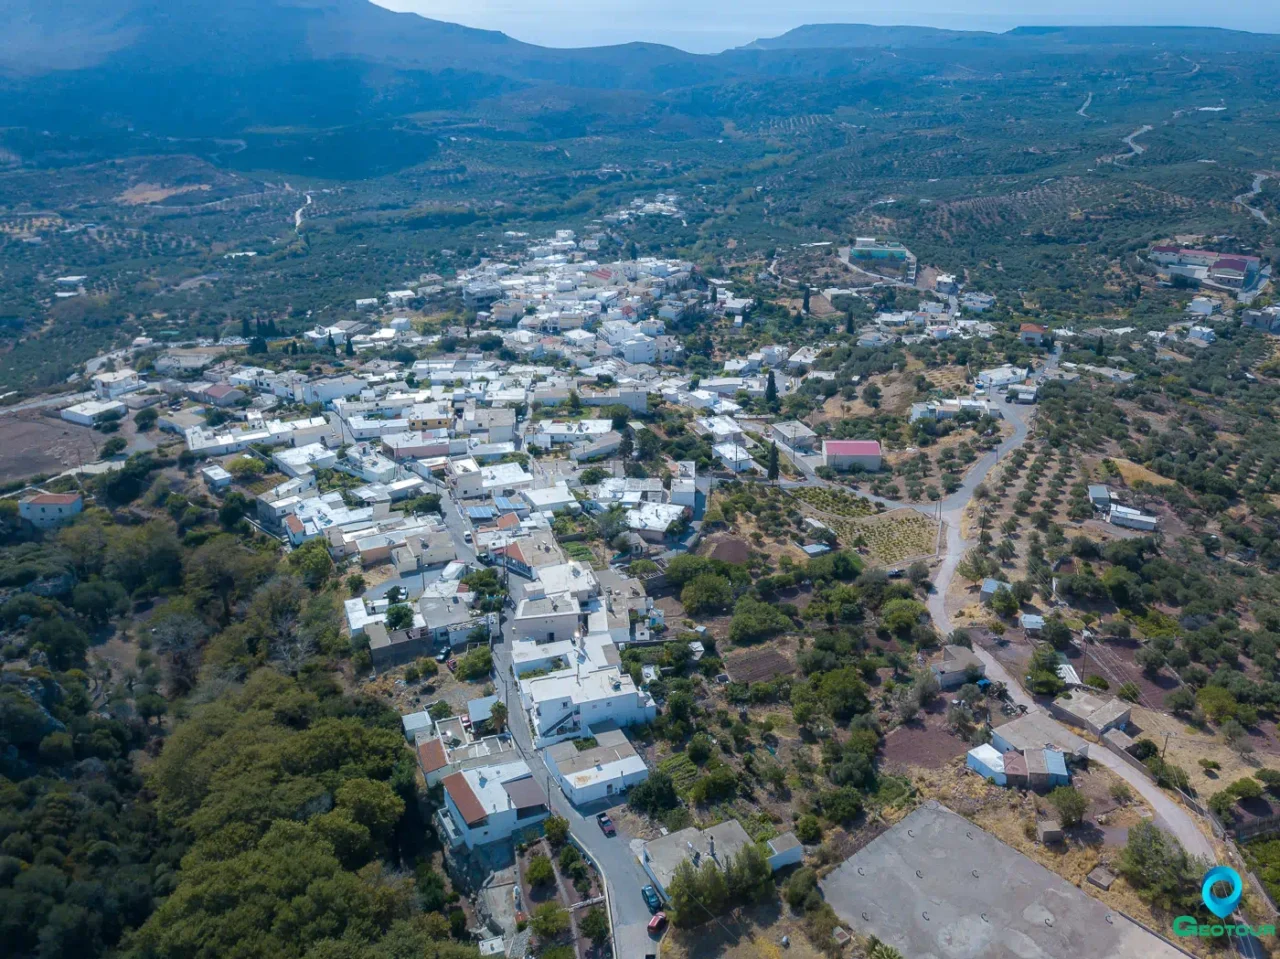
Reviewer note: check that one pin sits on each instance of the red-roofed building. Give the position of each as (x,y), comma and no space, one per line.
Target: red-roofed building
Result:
(47,510)
(844,455)
(1032,334)
(432,759)
(1224,269)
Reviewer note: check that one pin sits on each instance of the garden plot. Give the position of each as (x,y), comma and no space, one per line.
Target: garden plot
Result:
(758,665)
(834,502)
(892,537)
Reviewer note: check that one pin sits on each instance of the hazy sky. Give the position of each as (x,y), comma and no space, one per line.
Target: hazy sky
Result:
(708,26)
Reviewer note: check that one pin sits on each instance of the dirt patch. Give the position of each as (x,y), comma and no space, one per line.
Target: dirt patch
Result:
(755,665)
(753,933)
(1132,473)
(729,549)
(141,194)
(924,742)
(31,444)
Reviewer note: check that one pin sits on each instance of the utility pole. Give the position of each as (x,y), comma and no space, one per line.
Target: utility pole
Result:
(1165,747)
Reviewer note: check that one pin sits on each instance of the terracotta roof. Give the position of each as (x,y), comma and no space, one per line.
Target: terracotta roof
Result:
(1014,764)
(507,521)
(53,499)
(1231,263)
(464,798)
(524,793)
(431,756)
(1032,328)
(294,524)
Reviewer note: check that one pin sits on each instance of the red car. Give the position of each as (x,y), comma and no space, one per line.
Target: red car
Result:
(658,923)
(606,824)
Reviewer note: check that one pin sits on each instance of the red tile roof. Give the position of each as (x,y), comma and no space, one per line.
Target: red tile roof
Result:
(464,798)
(294,524)
(431,756)
(54,499)
(1032,328)
(852,447)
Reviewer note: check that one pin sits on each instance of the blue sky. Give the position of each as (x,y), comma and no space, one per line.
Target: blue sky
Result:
(708,26)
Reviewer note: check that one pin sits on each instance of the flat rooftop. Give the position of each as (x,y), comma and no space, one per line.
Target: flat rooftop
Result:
(935,885)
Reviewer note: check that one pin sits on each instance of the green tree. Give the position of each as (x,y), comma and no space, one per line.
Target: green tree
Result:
(771,392)
(556,829)
(595,926)
(1070,804)
(549,920)
(399,616)
(1004,602)
(773,463)
(1158,867)
(539,871)
(706,593)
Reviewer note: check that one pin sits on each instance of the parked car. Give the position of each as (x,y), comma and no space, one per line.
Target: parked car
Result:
(606,824)
(452,664)
(651,898)
(657,923)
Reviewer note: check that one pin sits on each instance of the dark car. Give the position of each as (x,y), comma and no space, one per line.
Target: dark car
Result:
(651,898)
(606,824)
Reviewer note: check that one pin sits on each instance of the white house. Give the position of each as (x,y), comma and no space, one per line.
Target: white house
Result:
(108,386)
(1131,518)
(848,454)
(562,705)
(734,458)
(609,768)
(93,411)
(489,803)
(47,510)
(548,618)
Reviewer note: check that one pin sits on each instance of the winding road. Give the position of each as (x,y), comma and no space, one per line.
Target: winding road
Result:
(297,215)
(1085,106)
(1243,198)
(1135,148)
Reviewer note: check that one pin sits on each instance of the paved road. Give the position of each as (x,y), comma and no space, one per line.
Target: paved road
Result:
(622,872)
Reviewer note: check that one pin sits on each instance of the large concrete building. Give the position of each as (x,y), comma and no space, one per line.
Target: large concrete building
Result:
(935,884)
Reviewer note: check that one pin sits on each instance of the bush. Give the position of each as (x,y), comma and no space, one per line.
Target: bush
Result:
(549,920)
(699,748)
(1070,804)
(717,785)
(655,795)
(595,926)
(841,806)
(476,664)
(540,872)
(803,882)
(808,829)
(556,829)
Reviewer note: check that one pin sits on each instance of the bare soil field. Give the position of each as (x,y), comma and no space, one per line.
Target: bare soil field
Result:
(31,444)
(925,742)
(754,665)
(730,549)
(1188,745)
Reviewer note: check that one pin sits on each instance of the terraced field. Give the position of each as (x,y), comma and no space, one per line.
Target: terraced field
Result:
(887,538)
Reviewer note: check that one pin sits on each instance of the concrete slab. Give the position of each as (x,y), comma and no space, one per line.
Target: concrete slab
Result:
(935,886)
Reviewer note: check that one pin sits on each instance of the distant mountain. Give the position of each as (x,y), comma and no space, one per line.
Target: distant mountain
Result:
(841,35)
(191,67)
(323,81)
(833,36)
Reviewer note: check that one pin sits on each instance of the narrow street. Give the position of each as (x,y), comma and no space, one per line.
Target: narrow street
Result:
(622,872)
